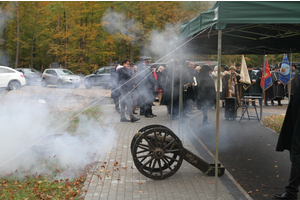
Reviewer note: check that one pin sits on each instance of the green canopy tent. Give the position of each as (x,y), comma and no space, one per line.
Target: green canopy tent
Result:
(242,27)
(252,27)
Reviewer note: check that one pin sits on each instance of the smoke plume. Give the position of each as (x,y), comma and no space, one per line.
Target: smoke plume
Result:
(29,144)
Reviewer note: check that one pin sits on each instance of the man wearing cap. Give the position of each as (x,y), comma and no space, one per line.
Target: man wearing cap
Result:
(126,86)
(115,94)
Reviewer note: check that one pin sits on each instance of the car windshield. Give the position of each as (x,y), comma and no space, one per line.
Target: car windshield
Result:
(30,71)
(64,72)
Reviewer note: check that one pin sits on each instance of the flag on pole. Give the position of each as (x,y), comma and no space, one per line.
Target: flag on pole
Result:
(245,78)
(267,78)
(284,73)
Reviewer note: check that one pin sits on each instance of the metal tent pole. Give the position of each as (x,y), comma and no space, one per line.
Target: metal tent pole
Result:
(217,113)
(172,94)
(180,114)
(263,100)
(290,83)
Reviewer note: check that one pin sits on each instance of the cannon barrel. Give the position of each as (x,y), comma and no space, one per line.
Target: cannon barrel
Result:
(158,154)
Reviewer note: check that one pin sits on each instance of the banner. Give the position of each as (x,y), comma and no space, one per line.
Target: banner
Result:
(268,78)
(284,73)
(245,78)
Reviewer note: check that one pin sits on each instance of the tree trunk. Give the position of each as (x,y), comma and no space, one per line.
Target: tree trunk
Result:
(66,40)
(110,57)
(33,39)
(58,25)
(130,42)
(18,34)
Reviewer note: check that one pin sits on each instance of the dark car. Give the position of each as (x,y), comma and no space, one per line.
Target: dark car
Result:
(32,76)
(100,77)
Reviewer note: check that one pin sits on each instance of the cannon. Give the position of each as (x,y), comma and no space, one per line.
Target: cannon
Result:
(158,154)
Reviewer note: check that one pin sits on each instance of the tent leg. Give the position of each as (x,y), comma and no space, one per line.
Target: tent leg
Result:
(217,112)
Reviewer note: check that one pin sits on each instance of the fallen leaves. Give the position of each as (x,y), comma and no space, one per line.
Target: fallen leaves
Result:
(274,122)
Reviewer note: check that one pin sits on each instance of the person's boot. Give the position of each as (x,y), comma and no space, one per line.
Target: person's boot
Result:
(134,119)
(291,190)
(124,120)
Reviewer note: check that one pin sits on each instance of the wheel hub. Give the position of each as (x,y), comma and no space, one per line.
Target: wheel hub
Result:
(158,153)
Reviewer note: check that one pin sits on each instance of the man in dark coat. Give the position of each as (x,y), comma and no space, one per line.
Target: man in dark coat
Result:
(289,139)
(167,98)
(188,74)
(126,86)
(294,81)
(238,68)
(115,94)
(149,86)
(142,73)
(278,87)
(206,92)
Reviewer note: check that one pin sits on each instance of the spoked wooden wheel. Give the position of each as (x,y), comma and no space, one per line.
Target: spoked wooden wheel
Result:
(142,130)
(157,153)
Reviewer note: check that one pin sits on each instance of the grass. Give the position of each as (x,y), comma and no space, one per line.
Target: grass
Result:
(21,185)
(274,122)
(28,185)
(91,113)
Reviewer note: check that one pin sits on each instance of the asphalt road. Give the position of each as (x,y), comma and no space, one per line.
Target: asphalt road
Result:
(247,150)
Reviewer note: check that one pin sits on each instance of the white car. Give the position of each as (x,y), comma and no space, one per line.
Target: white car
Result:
(60,77)
(11,79)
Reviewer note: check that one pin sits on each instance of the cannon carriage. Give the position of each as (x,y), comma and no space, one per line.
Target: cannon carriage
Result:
(158,154)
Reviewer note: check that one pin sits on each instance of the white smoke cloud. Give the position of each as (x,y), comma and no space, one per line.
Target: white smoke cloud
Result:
(116,22)
(24,121)
(161,42)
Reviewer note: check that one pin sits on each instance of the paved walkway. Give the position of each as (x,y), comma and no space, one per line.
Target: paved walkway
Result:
(116,177)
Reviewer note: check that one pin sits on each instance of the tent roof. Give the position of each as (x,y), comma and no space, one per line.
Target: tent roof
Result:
(249,27)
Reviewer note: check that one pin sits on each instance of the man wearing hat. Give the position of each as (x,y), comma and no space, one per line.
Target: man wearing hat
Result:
(115,93)
(238,68)
(147,83)
(278,88)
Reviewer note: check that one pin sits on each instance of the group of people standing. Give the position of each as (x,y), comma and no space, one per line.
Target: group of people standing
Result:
(134,86)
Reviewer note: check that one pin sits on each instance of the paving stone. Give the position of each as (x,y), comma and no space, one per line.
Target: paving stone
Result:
(127,182)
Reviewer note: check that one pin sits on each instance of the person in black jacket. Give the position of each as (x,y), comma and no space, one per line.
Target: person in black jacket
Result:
(115,94)
(206,92)
(126,86)
(278,87)
(289,139)
(146,88)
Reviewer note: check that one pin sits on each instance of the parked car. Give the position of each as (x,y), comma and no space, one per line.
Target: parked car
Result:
(100,77)
(60,77)
(11,79)
(31,75)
